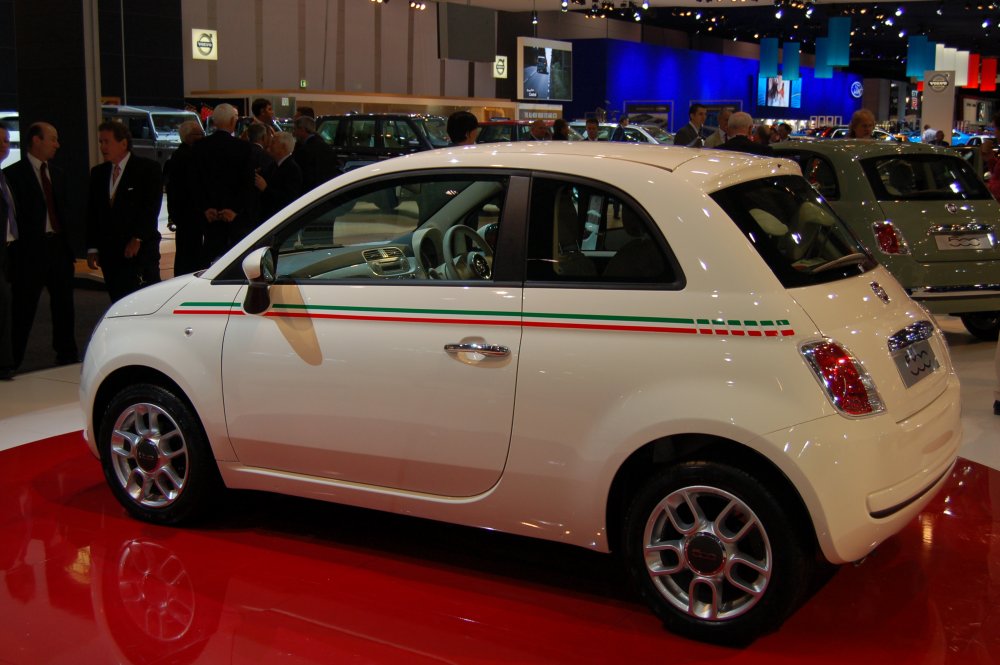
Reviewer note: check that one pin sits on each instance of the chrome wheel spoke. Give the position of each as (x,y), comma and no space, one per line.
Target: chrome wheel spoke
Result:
(143,430)
(724,532)
(654,560)
(700,608)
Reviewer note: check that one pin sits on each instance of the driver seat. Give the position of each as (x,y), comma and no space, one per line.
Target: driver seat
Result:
(567,233)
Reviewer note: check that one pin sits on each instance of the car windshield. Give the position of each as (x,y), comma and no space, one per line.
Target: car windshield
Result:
(437,131)
(168,123)
(925,177)
(794,230)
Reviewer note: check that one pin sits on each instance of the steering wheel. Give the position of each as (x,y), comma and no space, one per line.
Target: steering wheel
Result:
(477,264)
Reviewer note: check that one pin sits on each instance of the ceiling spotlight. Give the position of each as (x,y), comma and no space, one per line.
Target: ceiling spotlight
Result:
(565,5)
(902,33)
(986,23)
(534,18)
(899,11)
(645,4)
(809,11)
(777,14)
(418,6)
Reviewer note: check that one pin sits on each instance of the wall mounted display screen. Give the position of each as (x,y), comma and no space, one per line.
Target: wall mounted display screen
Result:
(779,93)
(546,69)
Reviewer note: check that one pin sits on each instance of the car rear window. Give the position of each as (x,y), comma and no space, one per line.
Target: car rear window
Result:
(794,230)
(927,177)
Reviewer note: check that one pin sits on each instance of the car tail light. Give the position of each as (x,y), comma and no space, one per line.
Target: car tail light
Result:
(889,239)
(845,380)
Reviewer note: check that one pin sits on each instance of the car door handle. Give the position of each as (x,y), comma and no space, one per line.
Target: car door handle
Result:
(493,350)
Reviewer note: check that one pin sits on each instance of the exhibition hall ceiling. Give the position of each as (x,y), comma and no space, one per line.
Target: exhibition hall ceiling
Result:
(880,30)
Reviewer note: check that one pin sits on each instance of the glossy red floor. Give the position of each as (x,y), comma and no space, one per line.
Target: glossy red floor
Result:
(281,580)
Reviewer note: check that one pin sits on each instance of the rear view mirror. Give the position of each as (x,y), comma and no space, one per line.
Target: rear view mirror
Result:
(258,266)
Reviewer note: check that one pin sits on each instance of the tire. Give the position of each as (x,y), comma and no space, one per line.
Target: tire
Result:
(700,586)
(984,325)
(156,457)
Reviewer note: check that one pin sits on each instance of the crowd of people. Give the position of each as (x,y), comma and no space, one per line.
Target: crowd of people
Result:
(219,188)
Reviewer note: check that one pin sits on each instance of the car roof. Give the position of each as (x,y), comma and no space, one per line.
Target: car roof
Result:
(708,169)
(851,148)
(354,114)
(143,109)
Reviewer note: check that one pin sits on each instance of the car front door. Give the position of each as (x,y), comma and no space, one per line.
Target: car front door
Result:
(385,358)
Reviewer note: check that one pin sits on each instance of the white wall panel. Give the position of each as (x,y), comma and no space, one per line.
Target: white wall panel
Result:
(394,62)
(426,66)
(321,43)
(194,14)
(281,44)
(456,78)
(237,66)
(359,47)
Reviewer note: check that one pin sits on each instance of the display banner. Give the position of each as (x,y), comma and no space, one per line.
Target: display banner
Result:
(915,56)
(973,76)
(823,70)
(938,108)
(962,68)
(768,57)
(839,47)
(790,61)
(988,75)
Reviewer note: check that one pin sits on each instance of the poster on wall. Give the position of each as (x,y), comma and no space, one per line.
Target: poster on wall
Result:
(546,70)
(649,113)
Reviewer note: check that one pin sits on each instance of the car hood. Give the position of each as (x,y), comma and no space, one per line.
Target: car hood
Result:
(148,300)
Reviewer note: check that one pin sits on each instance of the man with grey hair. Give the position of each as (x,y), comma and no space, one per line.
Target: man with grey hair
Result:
(740,126)
(182,200)
(284,183)
(225,178)
(721,135)
(314,156)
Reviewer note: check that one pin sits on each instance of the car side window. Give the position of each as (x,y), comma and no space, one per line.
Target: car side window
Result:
(403,229)
(399,134)
(583,233)
(361,133)
(327,130)
(633,136)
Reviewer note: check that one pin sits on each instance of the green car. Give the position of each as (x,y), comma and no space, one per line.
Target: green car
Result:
(925,215)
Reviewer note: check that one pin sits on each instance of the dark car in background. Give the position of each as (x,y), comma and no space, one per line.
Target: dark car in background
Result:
(508,131)
(363,138)
(154,129)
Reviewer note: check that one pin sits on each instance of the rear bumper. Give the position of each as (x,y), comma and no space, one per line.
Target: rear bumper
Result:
(958,299)
(863,480)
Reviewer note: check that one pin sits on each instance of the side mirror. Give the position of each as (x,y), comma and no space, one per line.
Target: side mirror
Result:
(258,266)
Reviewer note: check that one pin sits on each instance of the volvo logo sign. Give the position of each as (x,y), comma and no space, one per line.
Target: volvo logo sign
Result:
(857,89)
(500,67)
(938,83)
(204,44)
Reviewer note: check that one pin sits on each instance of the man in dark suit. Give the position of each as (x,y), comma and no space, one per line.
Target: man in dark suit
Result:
(315,157)
(42,256)
(690,134)
(284,183)
(740,126)
(225,171)
(182,201)
(8,234)
(123,207)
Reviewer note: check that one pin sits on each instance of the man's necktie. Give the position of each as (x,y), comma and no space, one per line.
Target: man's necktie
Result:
(50,200)
(115,174)
(9,201)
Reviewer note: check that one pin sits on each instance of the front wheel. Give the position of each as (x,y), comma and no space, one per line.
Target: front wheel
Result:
(714,554)
(156,457)
(984,325)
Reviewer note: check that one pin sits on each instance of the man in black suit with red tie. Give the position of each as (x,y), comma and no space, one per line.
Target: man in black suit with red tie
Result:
(42,256)
(123,207)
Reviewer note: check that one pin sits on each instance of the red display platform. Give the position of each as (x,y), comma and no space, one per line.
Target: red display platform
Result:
(282,580)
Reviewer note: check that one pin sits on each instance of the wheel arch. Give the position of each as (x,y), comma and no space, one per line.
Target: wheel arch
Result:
(656,455)
(129,376)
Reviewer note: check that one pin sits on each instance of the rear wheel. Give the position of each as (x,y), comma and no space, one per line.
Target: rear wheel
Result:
(984,325)
(155,456)
(714,554)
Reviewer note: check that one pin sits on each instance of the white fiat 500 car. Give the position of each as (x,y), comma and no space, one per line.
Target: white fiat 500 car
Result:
(722,384)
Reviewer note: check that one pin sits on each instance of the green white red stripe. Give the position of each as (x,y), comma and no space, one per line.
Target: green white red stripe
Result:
(563,320)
